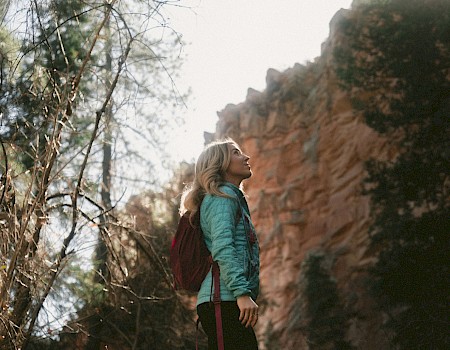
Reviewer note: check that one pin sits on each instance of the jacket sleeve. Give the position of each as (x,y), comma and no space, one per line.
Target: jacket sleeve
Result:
(220,216)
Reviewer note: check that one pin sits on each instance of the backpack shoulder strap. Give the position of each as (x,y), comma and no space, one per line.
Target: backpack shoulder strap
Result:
(217,308)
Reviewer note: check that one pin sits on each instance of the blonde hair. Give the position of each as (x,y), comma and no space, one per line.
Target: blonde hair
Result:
(210,170)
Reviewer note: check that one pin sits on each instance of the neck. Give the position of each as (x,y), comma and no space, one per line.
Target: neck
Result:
(236,182)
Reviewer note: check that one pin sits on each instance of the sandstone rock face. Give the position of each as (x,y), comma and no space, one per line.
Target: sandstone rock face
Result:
(308,148)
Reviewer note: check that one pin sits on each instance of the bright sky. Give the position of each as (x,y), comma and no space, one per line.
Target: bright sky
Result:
(232,44)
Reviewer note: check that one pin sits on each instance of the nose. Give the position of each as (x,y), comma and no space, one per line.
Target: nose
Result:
(246,157)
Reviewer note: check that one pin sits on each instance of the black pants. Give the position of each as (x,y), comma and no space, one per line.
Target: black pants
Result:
(235,335)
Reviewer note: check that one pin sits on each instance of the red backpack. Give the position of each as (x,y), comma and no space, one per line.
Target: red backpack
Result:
(190,259)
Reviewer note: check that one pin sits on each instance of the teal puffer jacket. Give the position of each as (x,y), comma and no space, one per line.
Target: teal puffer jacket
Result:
(234,248)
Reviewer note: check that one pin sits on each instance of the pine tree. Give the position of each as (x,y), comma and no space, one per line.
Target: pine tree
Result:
(402,64)
(54,113)
(326,319)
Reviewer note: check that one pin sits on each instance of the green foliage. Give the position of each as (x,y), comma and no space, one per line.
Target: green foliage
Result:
(58,117)
(398,55)
(48,62)
(81,285)
(8,49)
(65,32)
(326,320)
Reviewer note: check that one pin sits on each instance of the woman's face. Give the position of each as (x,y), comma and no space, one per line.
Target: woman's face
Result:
(239,169)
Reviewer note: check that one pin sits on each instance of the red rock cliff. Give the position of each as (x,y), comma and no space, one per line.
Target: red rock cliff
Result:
(308,148)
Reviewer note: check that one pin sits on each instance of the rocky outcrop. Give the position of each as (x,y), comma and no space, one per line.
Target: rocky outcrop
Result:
(308,148)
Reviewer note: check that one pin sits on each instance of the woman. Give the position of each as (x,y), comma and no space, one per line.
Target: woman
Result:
(230,236)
